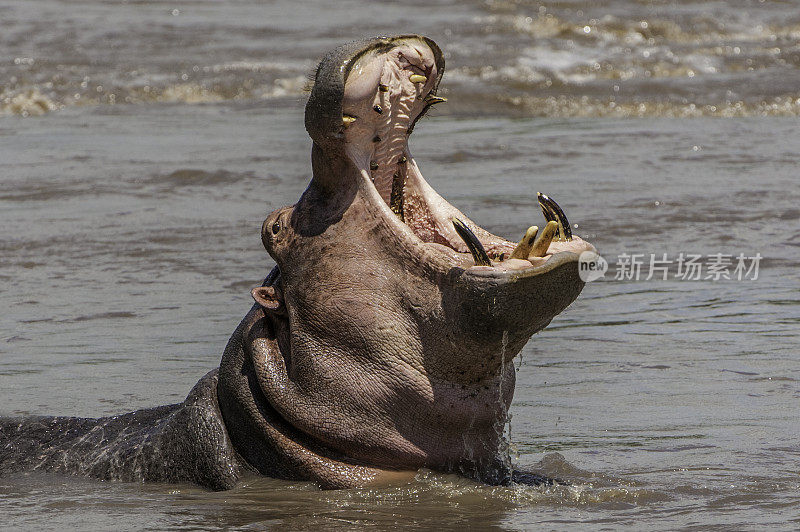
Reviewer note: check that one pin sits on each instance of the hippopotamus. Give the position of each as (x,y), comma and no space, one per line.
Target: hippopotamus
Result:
(380,343)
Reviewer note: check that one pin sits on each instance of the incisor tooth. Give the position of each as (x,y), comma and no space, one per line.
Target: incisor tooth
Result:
(523,249)
(543,240)
(416,78)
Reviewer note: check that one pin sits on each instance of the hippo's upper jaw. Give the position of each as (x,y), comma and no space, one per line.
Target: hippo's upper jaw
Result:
(393,319)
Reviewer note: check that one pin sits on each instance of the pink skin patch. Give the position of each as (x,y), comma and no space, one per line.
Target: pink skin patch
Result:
(385,92)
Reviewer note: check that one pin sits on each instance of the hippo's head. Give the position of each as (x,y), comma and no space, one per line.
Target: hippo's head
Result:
(394,318)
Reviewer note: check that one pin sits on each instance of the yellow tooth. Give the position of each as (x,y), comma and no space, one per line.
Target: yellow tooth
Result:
(416,78)
(544,239)
(347,120)
(523,249)
(432,100)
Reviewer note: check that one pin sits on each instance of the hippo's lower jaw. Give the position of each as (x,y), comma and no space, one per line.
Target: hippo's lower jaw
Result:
(384,336)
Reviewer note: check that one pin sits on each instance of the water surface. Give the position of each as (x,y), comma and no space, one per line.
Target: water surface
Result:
(130,240)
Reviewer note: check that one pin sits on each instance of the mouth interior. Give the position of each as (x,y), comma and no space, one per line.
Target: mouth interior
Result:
(388,88)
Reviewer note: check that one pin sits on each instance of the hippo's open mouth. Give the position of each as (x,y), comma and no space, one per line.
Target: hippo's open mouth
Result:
(388,87)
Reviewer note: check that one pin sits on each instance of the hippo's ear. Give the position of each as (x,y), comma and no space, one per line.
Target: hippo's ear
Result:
(268,297)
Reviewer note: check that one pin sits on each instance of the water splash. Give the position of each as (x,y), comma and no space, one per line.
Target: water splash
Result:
(503,427)
(29,102)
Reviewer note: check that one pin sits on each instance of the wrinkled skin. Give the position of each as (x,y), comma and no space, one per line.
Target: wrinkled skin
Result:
(375,347)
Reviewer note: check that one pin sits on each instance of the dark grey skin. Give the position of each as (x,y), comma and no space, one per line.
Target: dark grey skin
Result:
(382,341)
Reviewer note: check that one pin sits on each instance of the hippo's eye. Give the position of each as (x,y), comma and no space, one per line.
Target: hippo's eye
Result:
(276,227)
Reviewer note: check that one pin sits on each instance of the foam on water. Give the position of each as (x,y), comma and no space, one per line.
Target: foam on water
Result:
(517,58)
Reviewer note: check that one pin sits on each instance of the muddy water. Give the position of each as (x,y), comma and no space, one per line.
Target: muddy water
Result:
(130,240)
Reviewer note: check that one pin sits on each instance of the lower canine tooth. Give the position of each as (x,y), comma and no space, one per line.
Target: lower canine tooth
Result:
(472,242)
(523,249)
(416,78)
(552,211)
(544,239)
